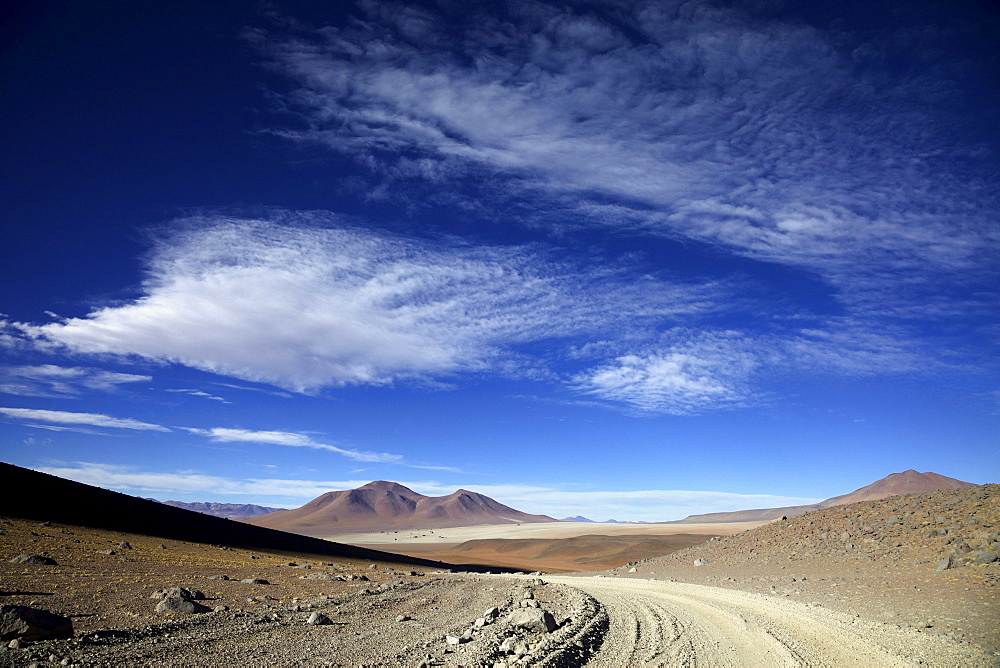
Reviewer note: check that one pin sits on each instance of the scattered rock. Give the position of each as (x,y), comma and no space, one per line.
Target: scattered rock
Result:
(183,593)
(255,581)
(33,559)
(701,562)
(986,557)
(24,623)
(533,619)
(318,619)
(124,545)
(944,564)
(178,605)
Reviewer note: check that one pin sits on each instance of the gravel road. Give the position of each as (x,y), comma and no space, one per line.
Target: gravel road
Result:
(670,623)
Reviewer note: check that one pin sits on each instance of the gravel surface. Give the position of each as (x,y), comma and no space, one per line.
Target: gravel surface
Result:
(664,623)
(910,580)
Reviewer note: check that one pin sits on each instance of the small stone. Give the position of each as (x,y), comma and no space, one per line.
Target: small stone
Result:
(403,618)
(944,564)
(701,562)
(255,581)
(318,619)
(453,640)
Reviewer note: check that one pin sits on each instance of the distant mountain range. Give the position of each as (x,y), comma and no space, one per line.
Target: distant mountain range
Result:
(389,506)
(385,506)
(907,482)
(231,511)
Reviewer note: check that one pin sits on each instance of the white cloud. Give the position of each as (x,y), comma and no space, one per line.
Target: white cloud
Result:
(708,371)
(91,419)
(768,138)
(199,393)
(304,306)
(637,505)
(223,435)
(50,380)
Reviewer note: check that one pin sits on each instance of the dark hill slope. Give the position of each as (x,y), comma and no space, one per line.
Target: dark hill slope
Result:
(32,495)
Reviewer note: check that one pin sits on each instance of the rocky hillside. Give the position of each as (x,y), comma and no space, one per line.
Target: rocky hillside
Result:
(927,560)
(383,506)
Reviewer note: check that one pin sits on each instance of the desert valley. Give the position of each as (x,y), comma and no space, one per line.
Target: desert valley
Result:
(900,572)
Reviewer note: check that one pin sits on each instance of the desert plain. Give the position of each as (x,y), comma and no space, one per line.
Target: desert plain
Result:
(908,579)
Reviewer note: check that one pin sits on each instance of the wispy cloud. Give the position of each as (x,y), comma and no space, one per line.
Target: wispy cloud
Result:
(706,371)
(198,393)
(223,435)
(91,419)
(770,139)
(305,306)
(50,380)
(644,505)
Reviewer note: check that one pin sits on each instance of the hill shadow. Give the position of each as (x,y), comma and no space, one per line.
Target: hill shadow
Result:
(32,495)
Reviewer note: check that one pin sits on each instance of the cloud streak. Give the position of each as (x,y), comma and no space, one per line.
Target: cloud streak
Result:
(51,380)
(291,439)
(90,419)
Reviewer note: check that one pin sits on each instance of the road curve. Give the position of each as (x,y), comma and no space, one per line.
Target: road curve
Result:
(674,624)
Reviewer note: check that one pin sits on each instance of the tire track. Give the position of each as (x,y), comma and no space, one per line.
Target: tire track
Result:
(655,623)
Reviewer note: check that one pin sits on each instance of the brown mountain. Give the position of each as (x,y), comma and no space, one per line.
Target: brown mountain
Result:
(894,484)
(907,482)
(383,506)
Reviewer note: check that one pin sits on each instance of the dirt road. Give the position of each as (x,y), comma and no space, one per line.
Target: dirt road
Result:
(668,623)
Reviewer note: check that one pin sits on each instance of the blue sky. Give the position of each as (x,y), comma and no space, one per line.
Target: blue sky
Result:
(619,259)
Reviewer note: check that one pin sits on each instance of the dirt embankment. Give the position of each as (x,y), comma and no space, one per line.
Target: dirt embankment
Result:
(925,561)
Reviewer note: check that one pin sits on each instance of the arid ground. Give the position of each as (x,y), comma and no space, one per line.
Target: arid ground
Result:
(905,580)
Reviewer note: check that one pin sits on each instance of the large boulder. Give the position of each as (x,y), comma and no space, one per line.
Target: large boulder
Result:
(33,559)
(184,593)
(183,606)
(19,621)
(533,619)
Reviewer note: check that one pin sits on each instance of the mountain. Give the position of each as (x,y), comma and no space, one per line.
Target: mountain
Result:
(894,484)
(907,482)
(31,495)
(578,518)
(384,506)
(231,511)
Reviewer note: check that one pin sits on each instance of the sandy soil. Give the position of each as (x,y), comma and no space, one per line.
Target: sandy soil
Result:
(899,581)
(387,540)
